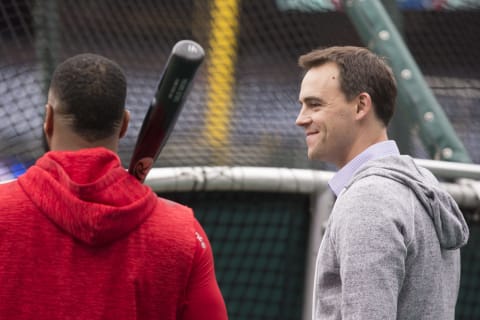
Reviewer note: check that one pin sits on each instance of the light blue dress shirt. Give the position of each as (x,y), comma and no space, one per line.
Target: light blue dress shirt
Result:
(345,174)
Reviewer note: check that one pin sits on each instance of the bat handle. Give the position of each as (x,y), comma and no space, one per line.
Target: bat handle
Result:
(141,168)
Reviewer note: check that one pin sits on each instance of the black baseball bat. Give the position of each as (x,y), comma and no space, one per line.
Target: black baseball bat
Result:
(172,89)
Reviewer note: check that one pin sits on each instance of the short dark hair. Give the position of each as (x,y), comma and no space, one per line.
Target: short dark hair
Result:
(360,71)
(91,92)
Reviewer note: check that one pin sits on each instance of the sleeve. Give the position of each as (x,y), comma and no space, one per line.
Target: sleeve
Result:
(372,250)
(204,301)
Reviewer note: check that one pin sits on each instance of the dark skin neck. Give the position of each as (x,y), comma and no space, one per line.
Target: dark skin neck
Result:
(60,136)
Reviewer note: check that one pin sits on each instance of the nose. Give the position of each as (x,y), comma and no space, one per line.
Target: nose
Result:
(303,119)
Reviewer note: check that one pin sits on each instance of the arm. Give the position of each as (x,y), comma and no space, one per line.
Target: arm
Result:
(372,248)
(204,301)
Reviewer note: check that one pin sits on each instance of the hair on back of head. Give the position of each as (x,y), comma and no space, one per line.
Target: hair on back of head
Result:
(91,91)
(360,71)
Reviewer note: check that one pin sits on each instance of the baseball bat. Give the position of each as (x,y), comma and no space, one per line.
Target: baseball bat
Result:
(172,89)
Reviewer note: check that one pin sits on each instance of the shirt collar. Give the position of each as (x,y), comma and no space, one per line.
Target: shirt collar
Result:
(345,174)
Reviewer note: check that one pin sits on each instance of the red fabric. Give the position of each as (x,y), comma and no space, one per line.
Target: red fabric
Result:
(203,299)
(81,239)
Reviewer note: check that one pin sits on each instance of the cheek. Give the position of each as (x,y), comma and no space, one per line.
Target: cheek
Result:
(323,122)
(341,119)
(334,127)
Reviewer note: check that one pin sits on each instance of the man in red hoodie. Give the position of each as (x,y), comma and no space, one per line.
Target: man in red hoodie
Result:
(80,238)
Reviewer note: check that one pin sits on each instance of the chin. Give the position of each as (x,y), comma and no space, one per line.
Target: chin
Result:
(312,155)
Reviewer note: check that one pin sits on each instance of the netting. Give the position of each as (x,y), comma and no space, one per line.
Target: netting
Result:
(259,241)
(241,111)
(467,304)
(242,108)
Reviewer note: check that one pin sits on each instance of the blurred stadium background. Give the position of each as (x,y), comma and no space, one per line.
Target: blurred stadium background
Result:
(241,110)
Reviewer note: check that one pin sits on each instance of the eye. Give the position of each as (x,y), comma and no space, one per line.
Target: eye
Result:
(314,105)
(313,102)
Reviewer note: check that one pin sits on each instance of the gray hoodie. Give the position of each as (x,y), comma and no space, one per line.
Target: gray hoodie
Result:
(390,250)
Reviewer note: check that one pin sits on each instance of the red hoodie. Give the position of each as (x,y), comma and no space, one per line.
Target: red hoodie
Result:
(80,238)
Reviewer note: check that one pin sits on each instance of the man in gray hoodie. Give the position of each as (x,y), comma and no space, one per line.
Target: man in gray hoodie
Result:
(391,247)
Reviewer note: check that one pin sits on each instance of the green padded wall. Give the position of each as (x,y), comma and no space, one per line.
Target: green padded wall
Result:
(468,305)
(259,242)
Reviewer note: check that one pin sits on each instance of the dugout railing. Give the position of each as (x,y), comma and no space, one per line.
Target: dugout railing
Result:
(266,224)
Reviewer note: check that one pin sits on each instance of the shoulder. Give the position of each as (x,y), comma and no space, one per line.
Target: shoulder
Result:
(375,192)
(377,183)
(173,221)
(6,185)
(373,203)
(15,208)
(170,231)
(173,215)
(11,194)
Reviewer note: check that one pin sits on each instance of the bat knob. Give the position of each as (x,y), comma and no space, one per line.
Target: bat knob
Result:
(189,49)
(142,167)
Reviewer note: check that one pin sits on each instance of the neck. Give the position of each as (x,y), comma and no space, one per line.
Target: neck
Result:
(69,141)
(63,138)
(361,144)
(61,146)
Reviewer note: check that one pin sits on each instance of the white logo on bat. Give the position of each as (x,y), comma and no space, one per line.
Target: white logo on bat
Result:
(192,48)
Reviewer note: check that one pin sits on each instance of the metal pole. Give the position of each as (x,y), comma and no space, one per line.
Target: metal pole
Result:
(380,34)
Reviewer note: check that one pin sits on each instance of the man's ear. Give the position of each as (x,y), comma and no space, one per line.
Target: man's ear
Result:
(48,121)
(125,121)
(364,105)
(48,125)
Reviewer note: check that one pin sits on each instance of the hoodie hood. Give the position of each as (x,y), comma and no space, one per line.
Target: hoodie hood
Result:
(88,194)
(450,225)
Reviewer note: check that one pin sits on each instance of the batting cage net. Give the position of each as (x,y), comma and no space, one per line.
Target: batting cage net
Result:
(241,110)
(259,242)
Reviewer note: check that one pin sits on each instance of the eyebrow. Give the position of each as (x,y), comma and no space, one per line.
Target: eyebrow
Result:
(311,99)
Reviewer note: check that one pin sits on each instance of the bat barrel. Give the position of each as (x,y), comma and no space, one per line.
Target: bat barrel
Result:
(188,50)
(173,87)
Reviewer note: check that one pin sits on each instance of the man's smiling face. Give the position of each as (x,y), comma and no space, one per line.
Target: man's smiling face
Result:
(326,116)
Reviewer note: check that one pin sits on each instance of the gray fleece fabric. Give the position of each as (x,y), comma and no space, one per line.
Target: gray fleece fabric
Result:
(391,247)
